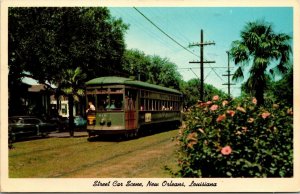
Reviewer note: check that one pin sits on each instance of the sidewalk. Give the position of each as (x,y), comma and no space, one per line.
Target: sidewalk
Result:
(67,134)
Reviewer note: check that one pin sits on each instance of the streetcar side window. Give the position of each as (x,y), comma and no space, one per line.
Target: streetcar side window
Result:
(142,104)
(156,101)
(146,104)
(130,99)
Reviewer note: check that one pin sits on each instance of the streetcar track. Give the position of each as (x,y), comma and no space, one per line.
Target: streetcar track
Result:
(85,166)
(55,147)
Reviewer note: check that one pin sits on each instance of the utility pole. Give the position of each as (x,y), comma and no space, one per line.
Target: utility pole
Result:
(228,75)
(202,44)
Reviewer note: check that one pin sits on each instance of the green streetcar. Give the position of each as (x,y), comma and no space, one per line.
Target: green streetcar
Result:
(119,105)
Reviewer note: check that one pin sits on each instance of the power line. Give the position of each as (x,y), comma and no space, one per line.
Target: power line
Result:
(194,73)
(144,28)
(176,32)
(217,73)
(207,74)
(164,32)
(198,67)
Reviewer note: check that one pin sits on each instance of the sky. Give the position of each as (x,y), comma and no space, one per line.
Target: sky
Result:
(220,25)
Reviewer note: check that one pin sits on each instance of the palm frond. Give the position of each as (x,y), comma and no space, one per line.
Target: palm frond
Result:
(238,74)
(284,50)
(239,53)
(78,75)
(259,65)
(68,90)
(75,97)
(80,92)
(272,73)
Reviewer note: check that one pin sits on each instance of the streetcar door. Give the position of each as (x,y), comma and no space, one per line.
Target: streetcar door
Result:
(130,109)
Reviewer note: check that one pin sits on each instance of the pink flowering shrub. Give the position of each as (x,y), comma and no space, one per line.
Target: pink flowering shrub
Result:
(236,139)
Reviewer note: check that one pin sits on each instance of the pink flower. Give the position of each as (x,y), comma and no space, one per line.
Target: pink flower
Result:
(214,107)
(254,101)
(221,117)
(265,115)
(226,150)
(208,102)
(215,98)
(200,104)
(239,108)
(231,112)
(225,102)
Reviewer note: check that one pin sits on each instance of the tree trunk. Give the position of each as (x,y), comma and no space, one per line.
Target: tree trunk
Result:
(71,115)
(259,95)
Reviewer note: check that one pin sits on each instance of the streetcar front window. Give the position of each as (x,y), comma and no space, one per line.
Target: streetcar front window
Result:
(102,101)
(116,102)
(107,99)
(109,102)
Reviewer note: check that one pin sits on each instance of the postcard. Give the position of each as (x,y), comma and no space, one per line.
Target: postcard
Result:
(150,96)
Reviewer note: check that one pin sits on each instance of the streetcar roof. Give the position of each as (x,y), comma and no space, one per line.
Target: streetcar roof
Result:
(113,80)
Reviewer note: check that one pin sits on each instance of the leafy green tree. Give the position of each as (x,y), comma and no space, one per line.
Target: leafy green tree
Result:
(43,42)
(134,64)
(210,91)
(72,86)
(153,69)
(282,90)
(190,90)
(267,52)
(169,76)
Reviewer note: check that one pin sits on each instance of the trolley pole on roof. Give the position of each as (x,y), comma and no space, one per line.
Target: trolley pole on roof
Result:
(202,44)
(228,75)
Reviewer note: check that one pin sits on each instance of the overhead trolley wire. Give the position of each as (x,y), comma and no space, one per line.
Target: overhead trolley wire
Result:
(176,32)
(172,38)
(164,32)
(144,28)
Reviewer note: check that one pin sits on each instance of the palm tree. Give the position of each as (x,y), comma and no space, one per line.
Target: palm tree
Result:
(268,53)
(72,86)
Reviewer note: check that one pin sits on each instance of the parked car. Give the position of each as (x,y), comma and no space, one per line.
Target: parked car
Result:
(25,126)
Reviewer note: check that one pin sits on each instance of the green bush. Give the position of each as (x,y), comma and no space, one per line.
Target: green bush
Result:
(236,139)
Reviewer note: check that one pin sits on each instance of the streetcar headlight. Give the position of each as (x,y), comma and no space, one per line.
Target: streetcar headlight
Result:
(108,123)
(102,122)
